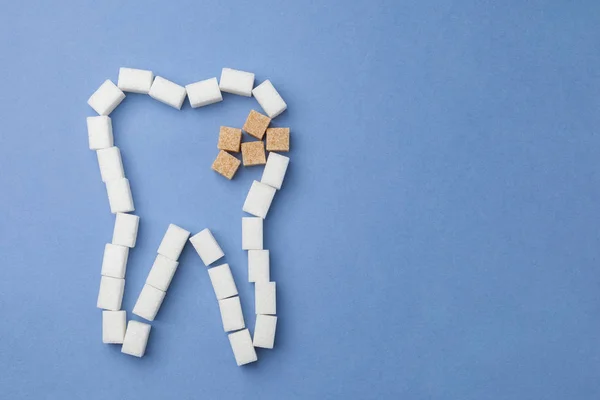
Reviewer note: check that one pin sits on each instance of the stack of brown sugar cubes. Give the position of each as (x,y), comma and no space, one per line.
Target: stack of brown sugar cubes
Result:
(253,153)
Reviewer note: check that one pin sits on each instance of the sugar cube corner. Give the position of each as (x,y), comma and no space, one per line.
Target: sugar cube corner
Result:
(167,92)
(173,242)
(106,98)
(148,302)
(229,139)
(236,82)
(269,99)
(113,326)
(275,170)
(278,139)
(225,164)
(126,229)
(264,331)
(206,246)
(136,338)
(222,281)
(256,124)
(259,199)
(203,93)
(135,80)
(243,349)
(100,132)
(253,153)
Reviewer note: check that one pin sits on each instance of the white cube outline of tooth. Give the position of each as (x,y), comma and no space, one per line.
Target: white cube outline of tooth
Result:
(107,98)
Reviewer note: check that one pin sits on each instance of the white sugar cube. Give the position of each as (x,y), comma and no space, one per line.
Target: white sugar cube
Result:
(167,92)
(100,133)
(173,242)
(119,196)
(243,350)
(135,80)
(252,233)
(207,247)
(111,165)
(259,199)
(136,338)
(274,171)
(110,295)
(231,314)
(269,99)
(126,229)
(264,298)
(106,98)
(148,304)
(162,272)
(258,266)
(203,93)
(222,281)
(264,331)
(114,262)
(236,82)
(113,326)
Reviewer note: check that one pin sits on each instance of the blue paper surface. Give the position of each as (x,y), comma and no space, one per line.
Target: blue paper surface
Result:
(436,236)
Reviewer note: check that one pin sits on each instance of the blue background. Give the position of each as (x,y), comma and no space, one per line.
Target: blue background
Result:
(437,236)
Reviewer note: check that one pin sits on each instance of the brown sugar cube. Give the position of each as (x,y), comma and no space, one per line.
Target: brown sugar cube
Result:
(278,139)
(253,153)
(226,164)
(229,139)
(256,124)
